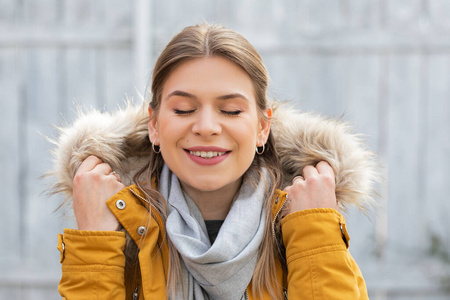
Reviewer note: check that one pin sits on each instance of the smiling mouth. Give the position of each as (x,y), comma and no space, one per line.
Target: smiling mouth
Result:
(207,154)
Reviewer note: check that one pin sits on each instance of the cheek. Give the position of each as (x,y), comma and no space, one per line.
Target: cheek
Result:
(170,126)
(246,134)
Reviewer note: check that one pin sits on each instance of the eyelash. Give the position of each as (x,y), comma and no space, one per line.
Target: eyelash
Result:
(187,112)
(183,112)
(231,113)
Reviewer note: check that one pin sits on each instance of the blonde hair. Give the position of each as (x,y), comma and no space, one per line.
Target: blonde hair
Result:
(213,40)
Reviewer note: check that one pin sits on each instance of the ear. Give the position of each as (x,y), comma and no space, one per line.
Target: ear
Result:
(153,132)
(264,127)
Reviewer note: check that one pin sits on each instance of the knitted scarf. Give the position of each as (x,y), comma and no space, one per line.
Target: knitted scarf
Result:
(223,270)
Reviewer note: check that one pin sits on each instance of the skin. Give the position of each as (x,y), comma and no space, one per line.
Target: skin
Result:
(315,190)
(205,102)
(209,102)
(92,187)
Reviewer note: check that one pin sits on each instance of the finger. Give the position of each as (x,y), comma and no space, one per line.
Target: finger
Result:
(325,169)
(297,178)
(309,171)
(117,176)
(89,164)
(103,168)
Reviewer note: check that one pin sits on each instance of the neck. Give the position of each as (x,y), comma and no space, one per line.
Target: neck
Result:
(214,205)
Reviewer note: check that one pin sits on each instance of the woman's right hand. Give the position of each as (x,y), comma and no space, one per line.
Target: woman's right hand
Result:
(93,185)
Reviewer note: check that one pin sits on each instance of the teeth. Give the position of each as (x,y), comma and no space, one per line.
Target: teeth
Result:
(206,154)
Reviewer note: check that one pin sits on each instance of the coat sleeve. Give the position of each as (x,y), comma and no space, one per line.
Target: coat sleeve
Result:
(319,263)
(93,265)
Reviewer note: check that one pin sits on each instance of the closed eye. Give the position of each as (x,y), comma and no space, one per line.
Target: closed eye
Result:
(183,112)
(231,113)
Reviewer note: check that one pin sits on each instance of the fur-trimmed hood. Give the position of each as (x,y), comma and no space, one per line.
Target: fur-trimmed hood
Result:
(121,140)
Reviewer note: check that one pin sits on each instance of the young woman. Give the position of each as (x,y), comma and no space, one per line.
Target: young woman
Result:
(213,212)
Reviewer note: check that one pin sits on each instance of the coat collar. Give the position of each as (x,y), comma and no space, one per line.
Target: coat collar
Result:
(278,200)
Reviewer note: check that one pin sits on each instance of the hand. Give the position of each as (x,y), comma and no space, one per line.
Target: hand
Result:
(93,185)
(315,189)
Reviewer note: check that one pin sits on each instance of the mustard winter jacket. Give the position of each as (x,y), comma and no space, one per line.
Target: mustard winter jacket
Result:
(319,265)
(316,240)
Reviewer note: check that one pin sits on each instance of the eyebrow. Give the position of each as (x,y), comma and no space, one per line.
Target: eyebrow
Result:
(180,93)
(232,96)
(189,95)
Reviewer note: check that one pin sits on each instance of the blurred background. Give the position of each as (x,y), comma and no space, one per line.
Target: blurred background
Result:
(382,65)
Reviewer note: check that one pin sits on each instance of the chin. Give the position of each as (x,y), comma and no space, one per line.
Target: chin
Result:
(208,187)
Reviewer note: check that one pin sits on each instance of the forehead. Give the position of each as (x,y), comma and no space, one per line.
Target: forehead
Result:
(209,75)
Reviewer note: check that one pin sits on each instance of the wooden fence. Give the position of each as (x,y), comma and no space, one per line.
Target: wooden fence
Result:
(382,65)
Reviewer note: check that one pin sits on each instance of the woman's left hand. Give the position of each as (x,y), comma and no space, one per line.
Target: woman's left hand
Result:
(315,189)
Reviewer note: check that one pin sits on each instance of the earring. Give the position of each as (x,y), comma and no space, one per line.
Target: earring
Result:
(156,148)
(260,151)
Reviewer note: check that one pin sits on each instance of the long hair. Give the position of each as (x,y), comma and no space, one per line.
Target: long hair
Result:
(213,40)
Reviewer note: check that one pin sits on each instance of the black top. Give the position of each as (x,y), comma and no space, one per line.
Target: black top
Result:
(213,227)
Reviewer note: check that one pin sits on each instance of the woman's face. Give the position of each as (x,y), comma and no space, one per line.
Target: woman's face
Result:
(208,124)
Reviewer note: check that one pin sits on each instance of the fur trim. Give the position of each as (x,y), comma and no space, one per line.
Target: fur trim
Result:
(121,140)
(306,139)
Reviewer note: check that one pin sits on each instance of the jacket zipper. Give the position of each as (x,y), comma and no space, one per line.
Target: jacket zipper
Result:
(142,198)
(246,295)
(273,232)
(276,215)
(136,293)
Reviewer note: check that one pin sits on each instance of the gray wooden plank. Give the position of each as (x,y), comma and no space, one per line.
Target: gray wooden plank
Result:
(119,15)
(42,13)
(11,120)
(402,269)
(404,15)
(322,84)
(84,76)
(322,15)
(284,84)
(361,14)
(42,293)
(360,94)
(437,150)
(169,21)
(85,14)
(438,10)
(11,293)
(287,20)
(83,79)
(41,107)
(7,13)
(360,107)
(404,121)
(118,78)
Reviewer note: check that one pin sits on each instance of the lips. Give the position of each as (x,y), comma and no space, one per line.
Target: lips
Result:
(207,155)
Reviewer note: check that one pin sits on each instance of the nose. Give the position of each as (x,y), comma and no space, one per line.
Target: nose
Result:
(207,123)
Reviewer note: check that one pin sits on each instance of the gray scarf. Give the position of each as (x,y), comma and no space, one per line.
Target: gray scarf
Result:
(223,270)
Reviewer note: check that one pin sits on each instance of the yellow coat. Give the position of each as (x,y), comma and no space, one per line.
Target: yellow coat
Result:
(316,240)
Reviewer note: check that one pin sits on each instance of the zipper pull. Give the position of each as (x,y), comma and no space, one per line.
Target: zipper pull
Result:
(136,294)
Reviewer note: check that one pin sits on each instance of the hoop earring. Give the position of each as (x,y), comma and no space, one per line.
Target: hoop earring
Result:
(259,152)
(156,150)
